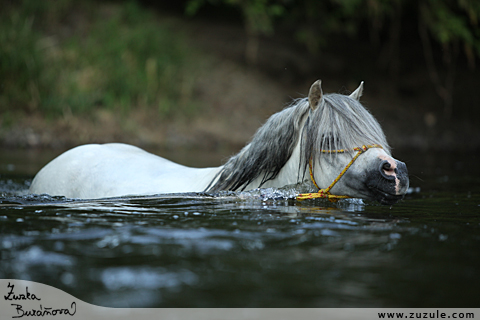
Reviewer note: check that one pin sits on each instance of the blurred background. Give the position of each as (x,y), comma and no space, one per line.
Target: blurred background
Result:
(206,74)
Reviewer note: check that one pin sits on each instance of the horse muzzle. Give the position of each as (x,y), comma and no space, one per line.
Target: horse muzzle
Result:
(388,182)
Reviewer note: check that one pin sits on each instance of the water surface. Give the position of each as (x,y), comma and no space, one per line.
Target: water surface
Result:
(251,249)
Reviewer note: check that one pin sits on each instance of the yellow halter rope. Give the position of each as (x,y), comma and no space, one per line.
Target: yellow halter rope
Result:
(325,193)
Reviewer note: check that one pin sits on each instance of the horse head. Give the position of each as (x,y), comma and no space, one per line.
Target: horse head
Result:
(347,152)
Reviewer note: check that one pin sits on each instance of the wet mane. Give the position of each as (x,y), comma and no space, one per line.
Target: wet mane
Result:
(339,122)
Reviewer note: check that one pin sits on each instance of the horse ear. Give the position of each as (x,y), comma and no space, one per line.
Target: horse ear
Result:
(357,93)
(315,94)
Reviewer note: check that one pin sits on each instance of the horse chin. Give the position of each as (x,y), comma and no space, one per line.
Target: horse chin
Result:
(375,189)
(384,197)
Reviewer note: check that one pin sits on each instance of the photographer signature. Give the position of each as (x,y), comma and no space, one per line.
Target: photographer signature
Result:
(41,311)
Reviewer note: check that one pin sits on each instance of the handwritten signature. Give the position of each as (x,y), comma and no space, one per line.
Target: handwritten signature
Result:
(12,296)
(41,311)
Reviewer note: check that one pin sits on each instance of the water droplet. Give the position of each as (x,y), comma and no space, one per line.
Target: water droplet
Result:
(6,244)
(395,236)
(67,278)
(59,246)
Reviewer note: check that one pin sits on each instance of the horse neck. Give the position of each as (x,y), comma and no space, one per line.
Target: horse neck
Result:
(271,159)
(291,172)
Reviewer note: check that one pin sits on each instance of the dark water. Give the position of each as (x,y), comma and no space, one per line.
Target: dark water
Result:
(254,249)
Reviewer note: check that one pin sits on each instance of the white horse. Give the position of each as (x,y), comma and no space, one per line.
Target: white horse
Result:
(323,134)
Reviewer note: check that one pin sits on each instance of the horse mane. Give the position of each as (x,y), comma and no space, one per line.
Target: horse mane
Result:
(270,149)
(339,122)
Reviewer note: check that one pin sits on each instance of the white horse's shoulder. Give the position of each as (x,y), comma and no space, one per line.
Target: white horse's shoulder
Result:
(114,169)
(106,155)
(113,149)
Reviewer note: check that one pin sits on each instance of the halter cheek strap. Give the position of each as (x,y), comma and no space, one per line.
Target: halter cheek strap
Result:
(325,193)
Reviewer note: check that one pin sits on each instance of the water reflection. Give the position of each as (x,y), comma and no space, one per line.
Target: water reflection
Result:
(249,249)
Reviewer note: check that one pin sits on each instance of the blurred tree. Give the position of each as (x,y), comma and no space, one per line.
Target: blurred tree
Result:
(67,57)
(450,24)
(258,19)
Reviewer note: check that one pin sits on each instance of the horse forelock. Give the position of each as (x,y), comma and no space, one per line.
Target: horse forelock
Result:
(339,122)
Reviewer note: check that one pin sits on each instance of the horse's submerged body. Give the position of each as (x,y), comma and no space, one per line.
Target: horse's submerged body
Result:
(115,169)
(319,134)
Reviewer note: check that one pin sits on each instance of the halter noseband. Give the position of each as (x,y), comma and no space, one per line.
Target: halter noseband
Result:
(325,193)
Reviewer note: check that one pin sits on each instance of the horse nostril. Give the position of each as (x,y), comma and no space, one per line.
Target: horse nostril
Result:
(386,165)
(386,170)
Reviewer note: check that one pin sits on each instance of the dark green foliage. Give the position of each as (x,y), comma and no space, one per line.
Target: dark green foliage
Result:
(447,20)
(21,64)
(119,57)
(447,30)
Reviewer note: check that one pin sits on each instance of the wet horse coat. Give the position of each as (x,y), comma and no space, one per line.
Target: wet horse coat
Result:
(278,155)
